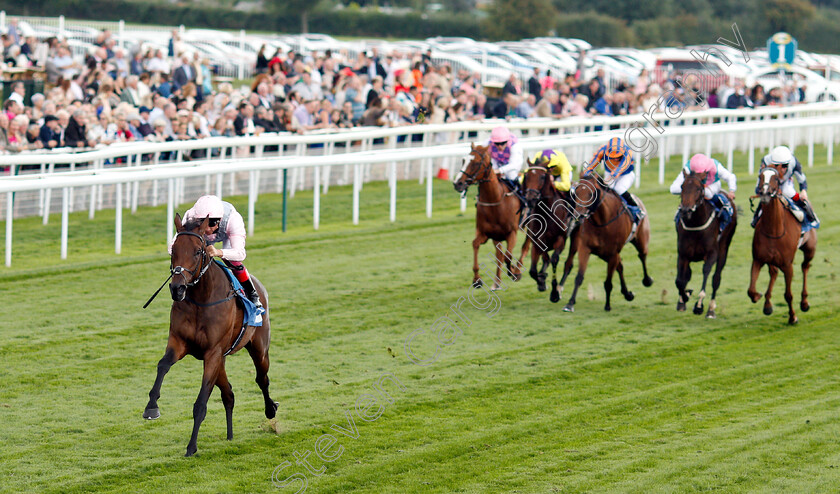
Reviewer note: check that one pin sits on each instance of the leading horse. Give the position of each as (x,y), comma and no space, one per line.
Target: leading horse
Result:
(606,225)
(206,322)
(775,241)
(498,213)
(699,239)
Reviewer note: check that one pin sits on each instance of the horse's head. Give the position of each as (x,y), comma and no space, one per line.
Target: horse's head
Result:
(189,257)
(587,194)
(536,183)
(693,192)
(476,168)
(768,183)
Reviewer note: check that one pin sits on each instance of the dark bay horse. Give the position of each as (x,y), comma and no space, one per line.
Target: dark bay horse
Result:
(699,239)
(498,214)
(205,322)
(550,223)
(605,227)
(775,241)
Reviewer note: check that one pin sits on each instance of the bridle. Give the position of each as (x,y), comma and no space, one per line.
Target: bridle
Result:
(485,164)
(772,194)
(700,200)
(539,188)
(202,267)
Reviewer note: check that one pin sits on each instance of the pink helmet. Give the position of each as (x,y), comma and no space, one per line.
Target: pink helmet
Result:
(700,163)
(500,134)
(208,205)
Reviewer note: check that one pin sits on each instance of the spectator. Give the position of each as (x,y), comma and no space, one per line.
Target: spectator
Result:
(49,132)
(262,61)
(534,84)
(244,122)
(303,118)
(525,109)
(546,106)
(18,92)
(738,99)
(131,93)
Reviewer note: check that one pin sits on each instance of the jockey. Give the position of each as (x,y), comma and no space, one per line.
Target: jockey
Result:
(619,163)
(782,156)
(227,226)
(559,166)
(715,172)
(506,156)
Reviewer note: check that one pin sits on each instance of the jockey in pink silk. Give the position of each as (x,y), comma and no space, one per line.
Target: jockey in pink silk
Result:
(227,226)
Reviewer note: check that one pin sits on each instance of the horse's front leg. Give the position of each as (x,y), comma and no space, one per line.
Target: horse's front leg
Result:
(709,261)
(754,272)
(583,260)
(683,277)
(175,351)
(612,263)
(768,306)
(212,364)
(787,269)
(479,239)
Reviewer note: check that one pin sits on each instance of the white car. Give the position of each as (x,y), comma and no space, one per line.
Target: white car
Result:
(818,87)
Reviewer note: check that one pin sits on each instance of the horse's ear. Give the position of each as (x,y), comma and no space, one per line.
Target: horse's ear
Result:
(178,225)
(204,223)
(685,173)
(472,146)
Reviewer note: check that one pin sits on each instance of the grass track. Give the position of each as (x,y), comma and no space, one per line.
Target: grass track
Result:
(642,399)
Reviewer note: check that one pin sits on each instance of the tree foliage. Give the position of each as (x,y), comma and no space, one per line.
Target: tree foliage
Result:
(517,19)
(787,15)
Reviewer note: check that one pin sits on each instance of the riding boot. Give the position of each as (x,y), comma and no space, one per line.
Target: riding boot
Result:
(725,210)
(638,213)
(251,292)
(809,213)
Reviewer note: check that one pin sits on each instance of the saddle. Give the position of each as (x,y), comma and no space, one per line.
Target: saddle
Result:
(253,314)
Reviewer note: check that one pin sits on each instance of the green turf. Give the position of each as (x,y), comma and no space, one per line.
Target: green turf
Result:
(642,399)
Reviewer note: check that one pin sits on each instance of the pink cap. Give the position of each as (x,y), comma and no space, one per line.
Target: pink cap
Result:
(208,205)
(700,163)
(500,134)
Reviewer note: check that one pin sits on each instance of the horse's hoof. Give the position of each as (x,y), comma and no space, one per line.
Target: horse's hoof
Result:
(680,306)
(271,411)
(755,297)
(647,281)
(515,276)
(768,309)
(554,297)
(151,414)
(569,308)
(698,309)
(793,320)
(477,283)
(541,288)
(711,314)
(804,306)
(607,308)
(191,451)
(629,296)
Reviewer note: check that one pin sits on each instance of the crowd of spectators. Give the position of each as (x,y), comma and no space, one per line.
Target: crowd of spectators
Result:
(116,95)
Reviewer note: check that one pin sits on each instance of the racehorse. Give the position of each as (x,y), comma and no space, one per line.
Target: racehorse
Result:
(551,212)
(775,241)
(605,227)
(698,239)
(498,213)
(205,321)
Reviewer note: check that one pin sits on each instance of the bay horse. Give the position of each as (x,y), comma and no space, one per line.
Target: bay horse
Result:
(552,213)
(775,241)
(605,227)
(698,239)
(205,322)
(498,213)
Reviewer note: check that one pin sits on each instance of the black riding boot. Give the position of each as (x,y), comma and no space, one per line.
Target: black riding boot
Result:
(810,215)
(251,292)
(638,213)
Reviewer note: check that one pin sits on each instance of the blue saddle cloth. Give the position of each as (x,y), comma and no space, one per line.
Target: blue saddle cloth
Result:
(253,315)
(806,225)
(635,211)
